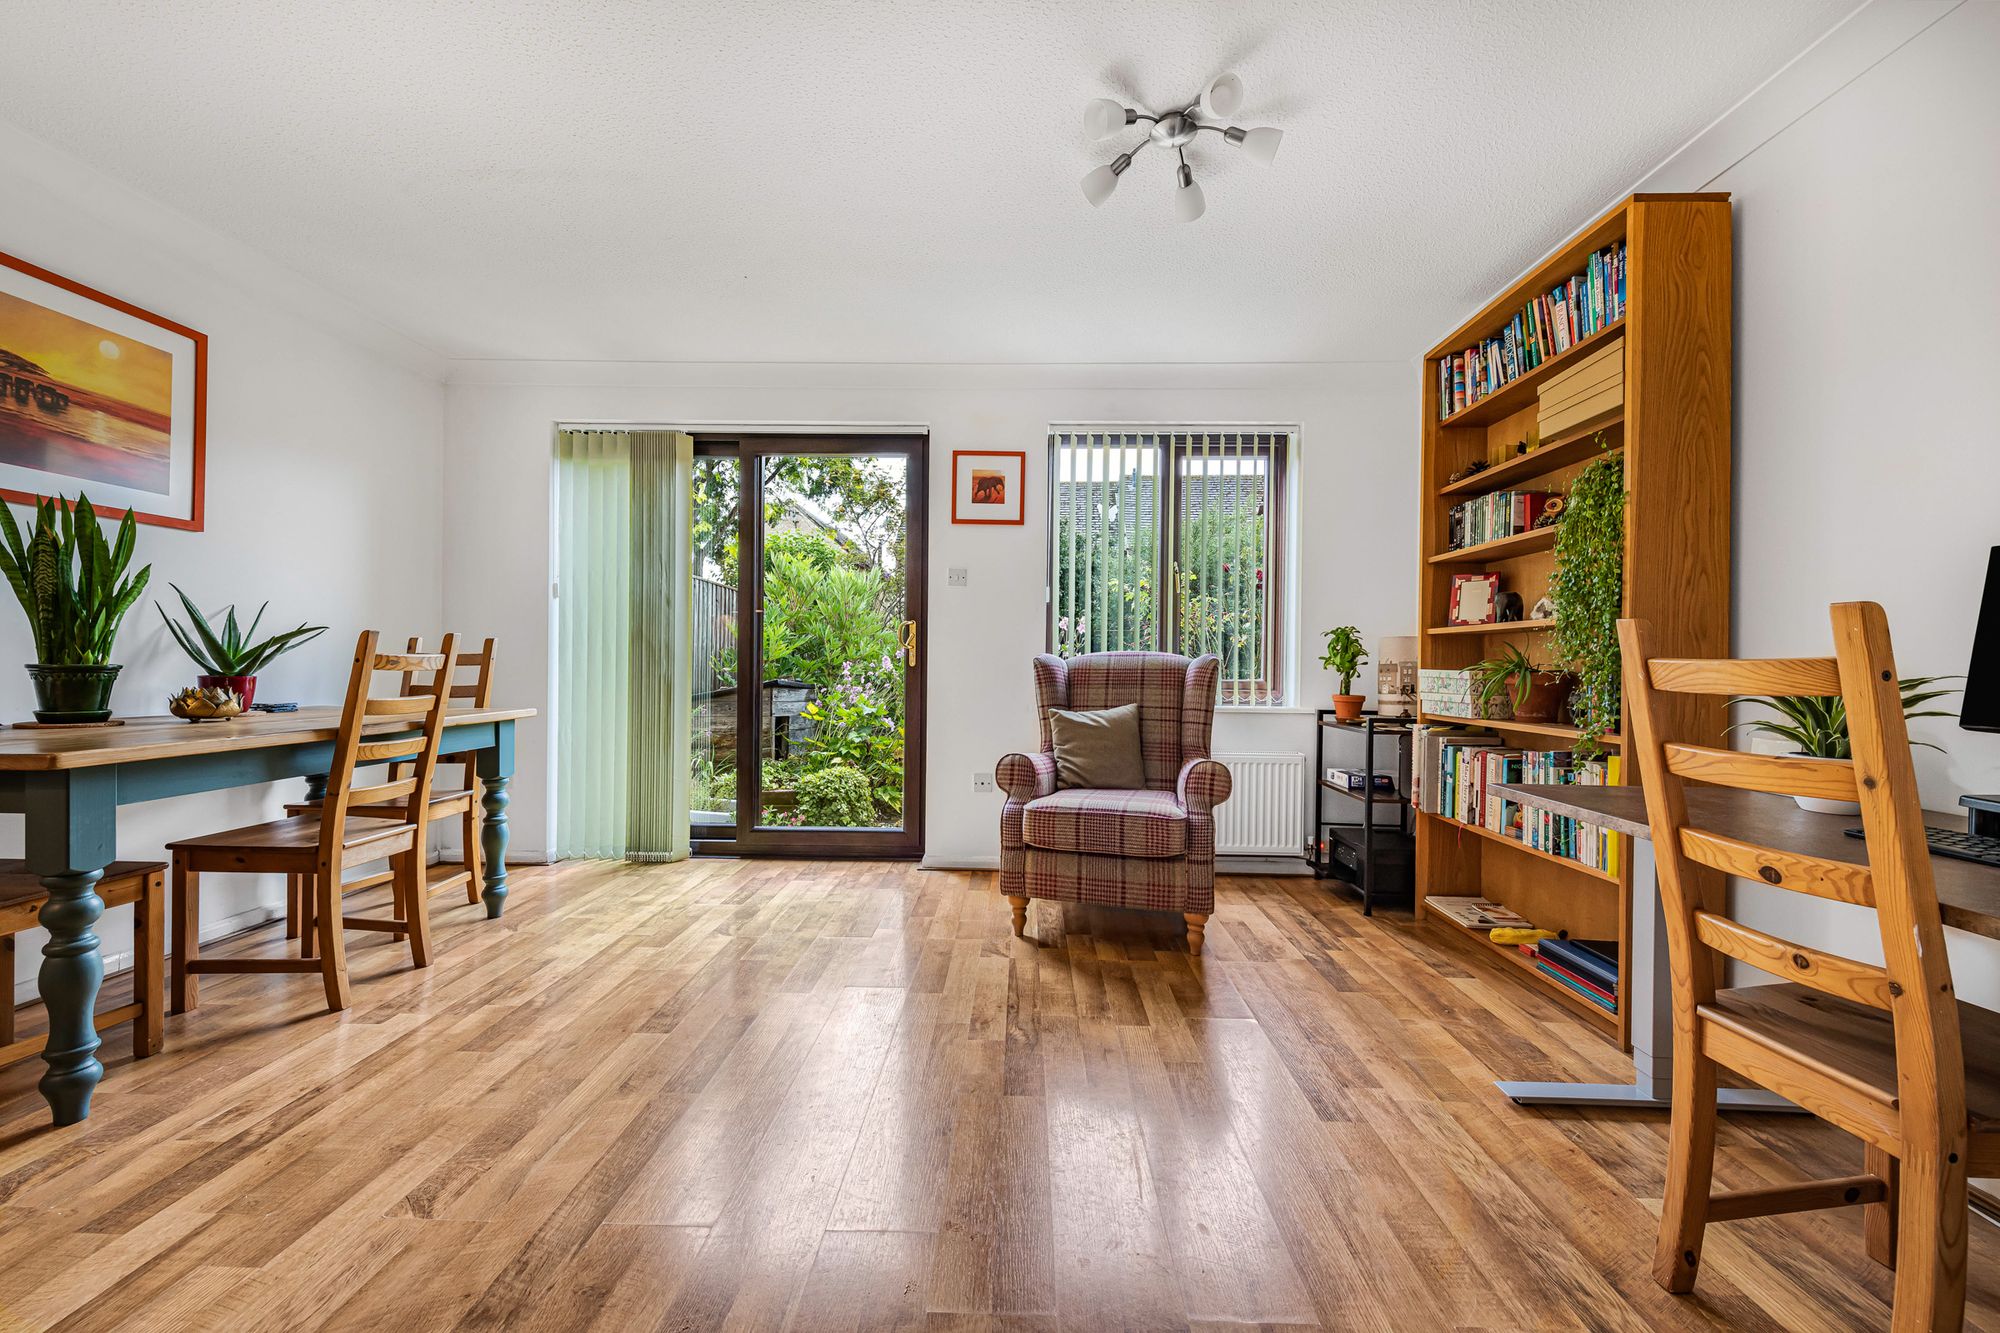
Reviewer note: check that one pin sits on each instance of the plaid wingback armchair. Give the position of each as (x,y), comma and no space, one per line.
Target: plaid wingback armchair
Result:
(1153,848)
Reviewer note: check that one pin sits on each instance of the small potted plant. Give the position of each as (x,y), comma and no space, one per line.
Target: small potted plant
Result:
(231,659)
(1816,728)
(1343,657)
(73,585)
(1537,694)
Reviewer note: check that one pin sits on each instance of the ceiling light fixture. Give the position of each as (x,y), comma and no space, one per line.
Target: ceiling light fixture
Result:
(1219,101)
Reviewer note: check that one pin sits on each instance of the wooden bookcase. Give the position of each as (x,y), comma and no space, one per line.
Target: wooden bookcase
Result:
(1673,433)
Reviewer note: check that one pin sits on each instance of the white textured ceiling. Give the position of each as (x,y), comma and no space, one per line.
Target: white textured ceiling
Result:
(867,180)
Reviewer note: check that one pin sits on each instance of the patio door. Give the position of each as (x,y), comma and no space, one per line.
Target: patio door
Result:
(809,645)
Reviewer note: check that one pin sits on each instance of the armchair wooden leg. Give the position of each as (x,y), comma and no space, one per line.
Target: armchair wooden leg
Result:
(1197,927)
(1878,1220)
(1019,902)
(187,917)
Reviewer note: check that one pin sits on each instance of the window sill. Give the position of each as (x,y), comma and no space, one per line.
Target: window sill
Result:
(1266,710)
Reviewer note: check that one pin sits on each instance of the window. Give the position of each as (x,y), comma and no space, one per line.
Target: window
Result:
(1173,540)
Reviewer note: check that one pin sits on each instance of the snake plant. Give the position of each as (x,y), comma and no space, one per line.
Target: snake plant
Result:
(233,651)
(1817,727)
(70,580)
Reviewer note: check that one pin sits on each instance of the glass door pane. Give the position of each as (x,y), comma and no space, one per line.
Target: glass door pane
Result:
(834,630)
(717,501)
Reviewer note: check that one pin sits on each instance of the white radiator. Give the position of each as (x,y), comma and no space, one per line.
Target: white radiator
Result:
(1265,812)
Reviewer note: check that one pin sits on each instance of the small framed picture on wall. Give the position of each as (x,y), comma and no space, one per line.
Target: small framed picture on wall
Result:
(1475,599)
(988,486)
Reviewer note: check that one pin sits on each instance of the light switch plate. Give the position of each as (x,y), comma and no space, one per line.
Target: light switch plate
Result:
(955,577)
(982,782)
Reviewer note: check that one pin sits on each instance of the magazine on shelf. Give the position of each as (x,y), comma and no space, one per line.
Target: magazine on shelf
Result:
(1478,913)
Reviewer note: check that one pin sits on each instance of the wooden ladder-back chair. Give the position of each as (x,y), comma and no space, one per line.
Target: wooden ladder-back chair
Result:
(1874,1050)
(448,800)
(318,847)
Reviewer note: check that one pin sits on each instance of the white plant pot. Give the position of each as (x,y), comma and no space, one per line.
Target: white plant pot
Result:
(1820,805)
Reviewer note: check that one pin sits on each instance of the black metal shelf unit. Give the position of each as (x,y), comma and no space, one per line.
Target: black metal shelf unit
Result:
(1360,849)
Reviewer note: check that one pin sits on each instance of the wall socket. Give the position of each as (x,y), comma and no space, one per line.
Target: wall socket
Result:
(954,577)
(983,782)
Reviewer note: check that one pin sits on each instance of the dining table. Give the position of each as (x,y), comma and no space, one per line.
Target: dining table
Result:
(70,782)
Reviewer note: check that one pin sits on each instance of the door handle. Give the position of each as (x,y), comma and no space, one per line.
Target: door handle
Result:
(909,642)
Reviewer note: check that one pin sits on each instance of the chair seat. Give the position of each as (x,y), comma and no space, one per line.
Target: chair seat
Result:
(296,833)
(441,802)
(18,884)
(1857,1043)
(1107,822)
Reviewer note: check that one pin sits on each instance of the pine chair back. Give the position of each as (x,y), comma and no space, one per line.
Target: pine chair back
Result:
(1921,1122)
(412,759)
(478,691)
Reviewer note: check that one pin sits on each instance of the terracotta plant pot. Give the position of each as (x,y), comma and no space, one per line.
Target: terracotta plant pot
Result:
(66,693)
(243,685)
(1548,691)
(1347,707)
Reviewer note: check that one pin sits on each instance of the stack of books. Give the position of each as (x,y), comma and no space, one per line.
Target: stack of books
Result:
(1454,773)
(1546,327)
(1449,693)
(1588,967)
(1488,518)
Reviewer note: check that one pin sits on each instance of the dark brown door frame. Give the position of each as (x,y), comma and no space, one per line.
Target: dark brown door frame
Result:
(747,839)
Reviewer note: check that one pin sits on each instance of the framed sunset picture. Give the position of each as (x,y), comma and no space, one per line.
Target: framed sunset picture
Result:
(987,486)
(99,396)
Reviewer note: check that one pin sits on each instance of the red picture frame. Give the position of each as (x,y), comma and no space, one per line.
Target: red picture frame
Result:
(197,439)
(994,494)
(1484,592)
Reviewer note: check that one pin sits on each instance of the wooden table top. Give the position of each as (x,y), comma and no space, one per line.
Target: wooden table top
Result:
(1968,893)
(40,750)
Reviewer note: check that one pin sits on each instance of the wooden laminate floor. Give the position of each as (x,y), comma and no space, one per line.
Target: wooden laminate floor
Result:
(784,1094)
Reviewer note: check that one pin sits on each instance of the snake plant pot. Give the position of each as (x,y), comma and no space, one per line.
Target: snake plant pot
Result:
(1820,805)
(66,693)
(243,685)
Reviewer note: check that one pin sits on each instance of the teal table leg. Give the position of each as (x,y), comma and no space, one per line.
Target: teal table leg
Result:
(72,836)
(495,766)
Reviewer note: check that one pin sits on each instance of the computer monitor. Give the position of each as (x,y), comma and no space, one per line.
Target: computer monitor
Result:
(1980,706)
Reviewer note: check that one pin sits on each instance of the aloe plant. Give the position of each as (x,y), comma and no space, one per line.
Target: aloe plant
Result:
(234,651)
(1817,726)
(70,580)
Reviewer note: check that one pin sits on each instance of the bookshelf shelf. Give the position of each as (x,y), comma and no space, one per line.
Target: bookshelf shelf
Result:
(1670,435)
(1521,543)
(1518,393)
(1565,862)
(1570,447)
(1547,731)
(1497,627)
(1610,1022)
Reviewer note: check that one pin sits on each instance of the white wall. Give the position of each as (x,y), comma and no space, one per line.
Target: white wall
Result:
(1867,196)
(1357,432)
(323,482)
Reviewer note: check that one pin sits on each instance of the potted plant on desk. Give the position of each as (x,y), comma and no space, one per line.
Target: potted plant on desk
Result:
(73,586)
(1816,728)
(231,659)
(1343,657)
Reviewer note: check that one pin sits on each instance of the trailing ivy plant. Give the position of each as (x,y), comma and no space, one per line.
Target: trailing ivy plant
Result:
(1588,588)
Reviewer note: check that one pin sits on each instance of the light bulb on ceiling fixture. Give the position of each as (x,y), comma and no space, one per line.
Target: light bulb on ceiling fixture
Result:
(1188,201)
(1098,184)
(1223,98)
(1259,145)
(1104,117)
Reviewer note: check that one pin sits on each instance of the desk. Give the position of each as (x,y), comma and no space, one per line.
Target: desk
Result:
(70,783)
(1968,896)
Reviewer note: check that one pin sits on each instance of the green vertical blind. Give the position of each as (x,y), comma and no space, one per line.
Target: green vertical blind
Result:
(623,559)
(1172,539)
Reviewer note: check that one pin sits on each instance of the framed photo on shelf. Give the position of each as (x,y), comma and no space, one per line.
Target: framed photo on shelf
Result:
(101,397)
(1475,599)
(988,486)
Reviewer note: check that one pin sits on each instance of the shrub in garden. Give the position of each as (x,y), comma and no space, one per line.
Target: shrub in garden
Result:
(835,797)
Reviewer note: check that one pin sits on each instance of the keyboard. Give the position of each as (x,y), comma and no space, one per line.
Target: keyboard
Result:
(1959,846)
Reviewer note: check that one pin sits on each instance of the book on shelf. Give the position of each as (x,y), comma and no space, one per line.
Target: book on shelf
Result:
(1603,999)
(1455,772)
(1497,514)
(1547,326)
(1478,913)
(1595,961)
